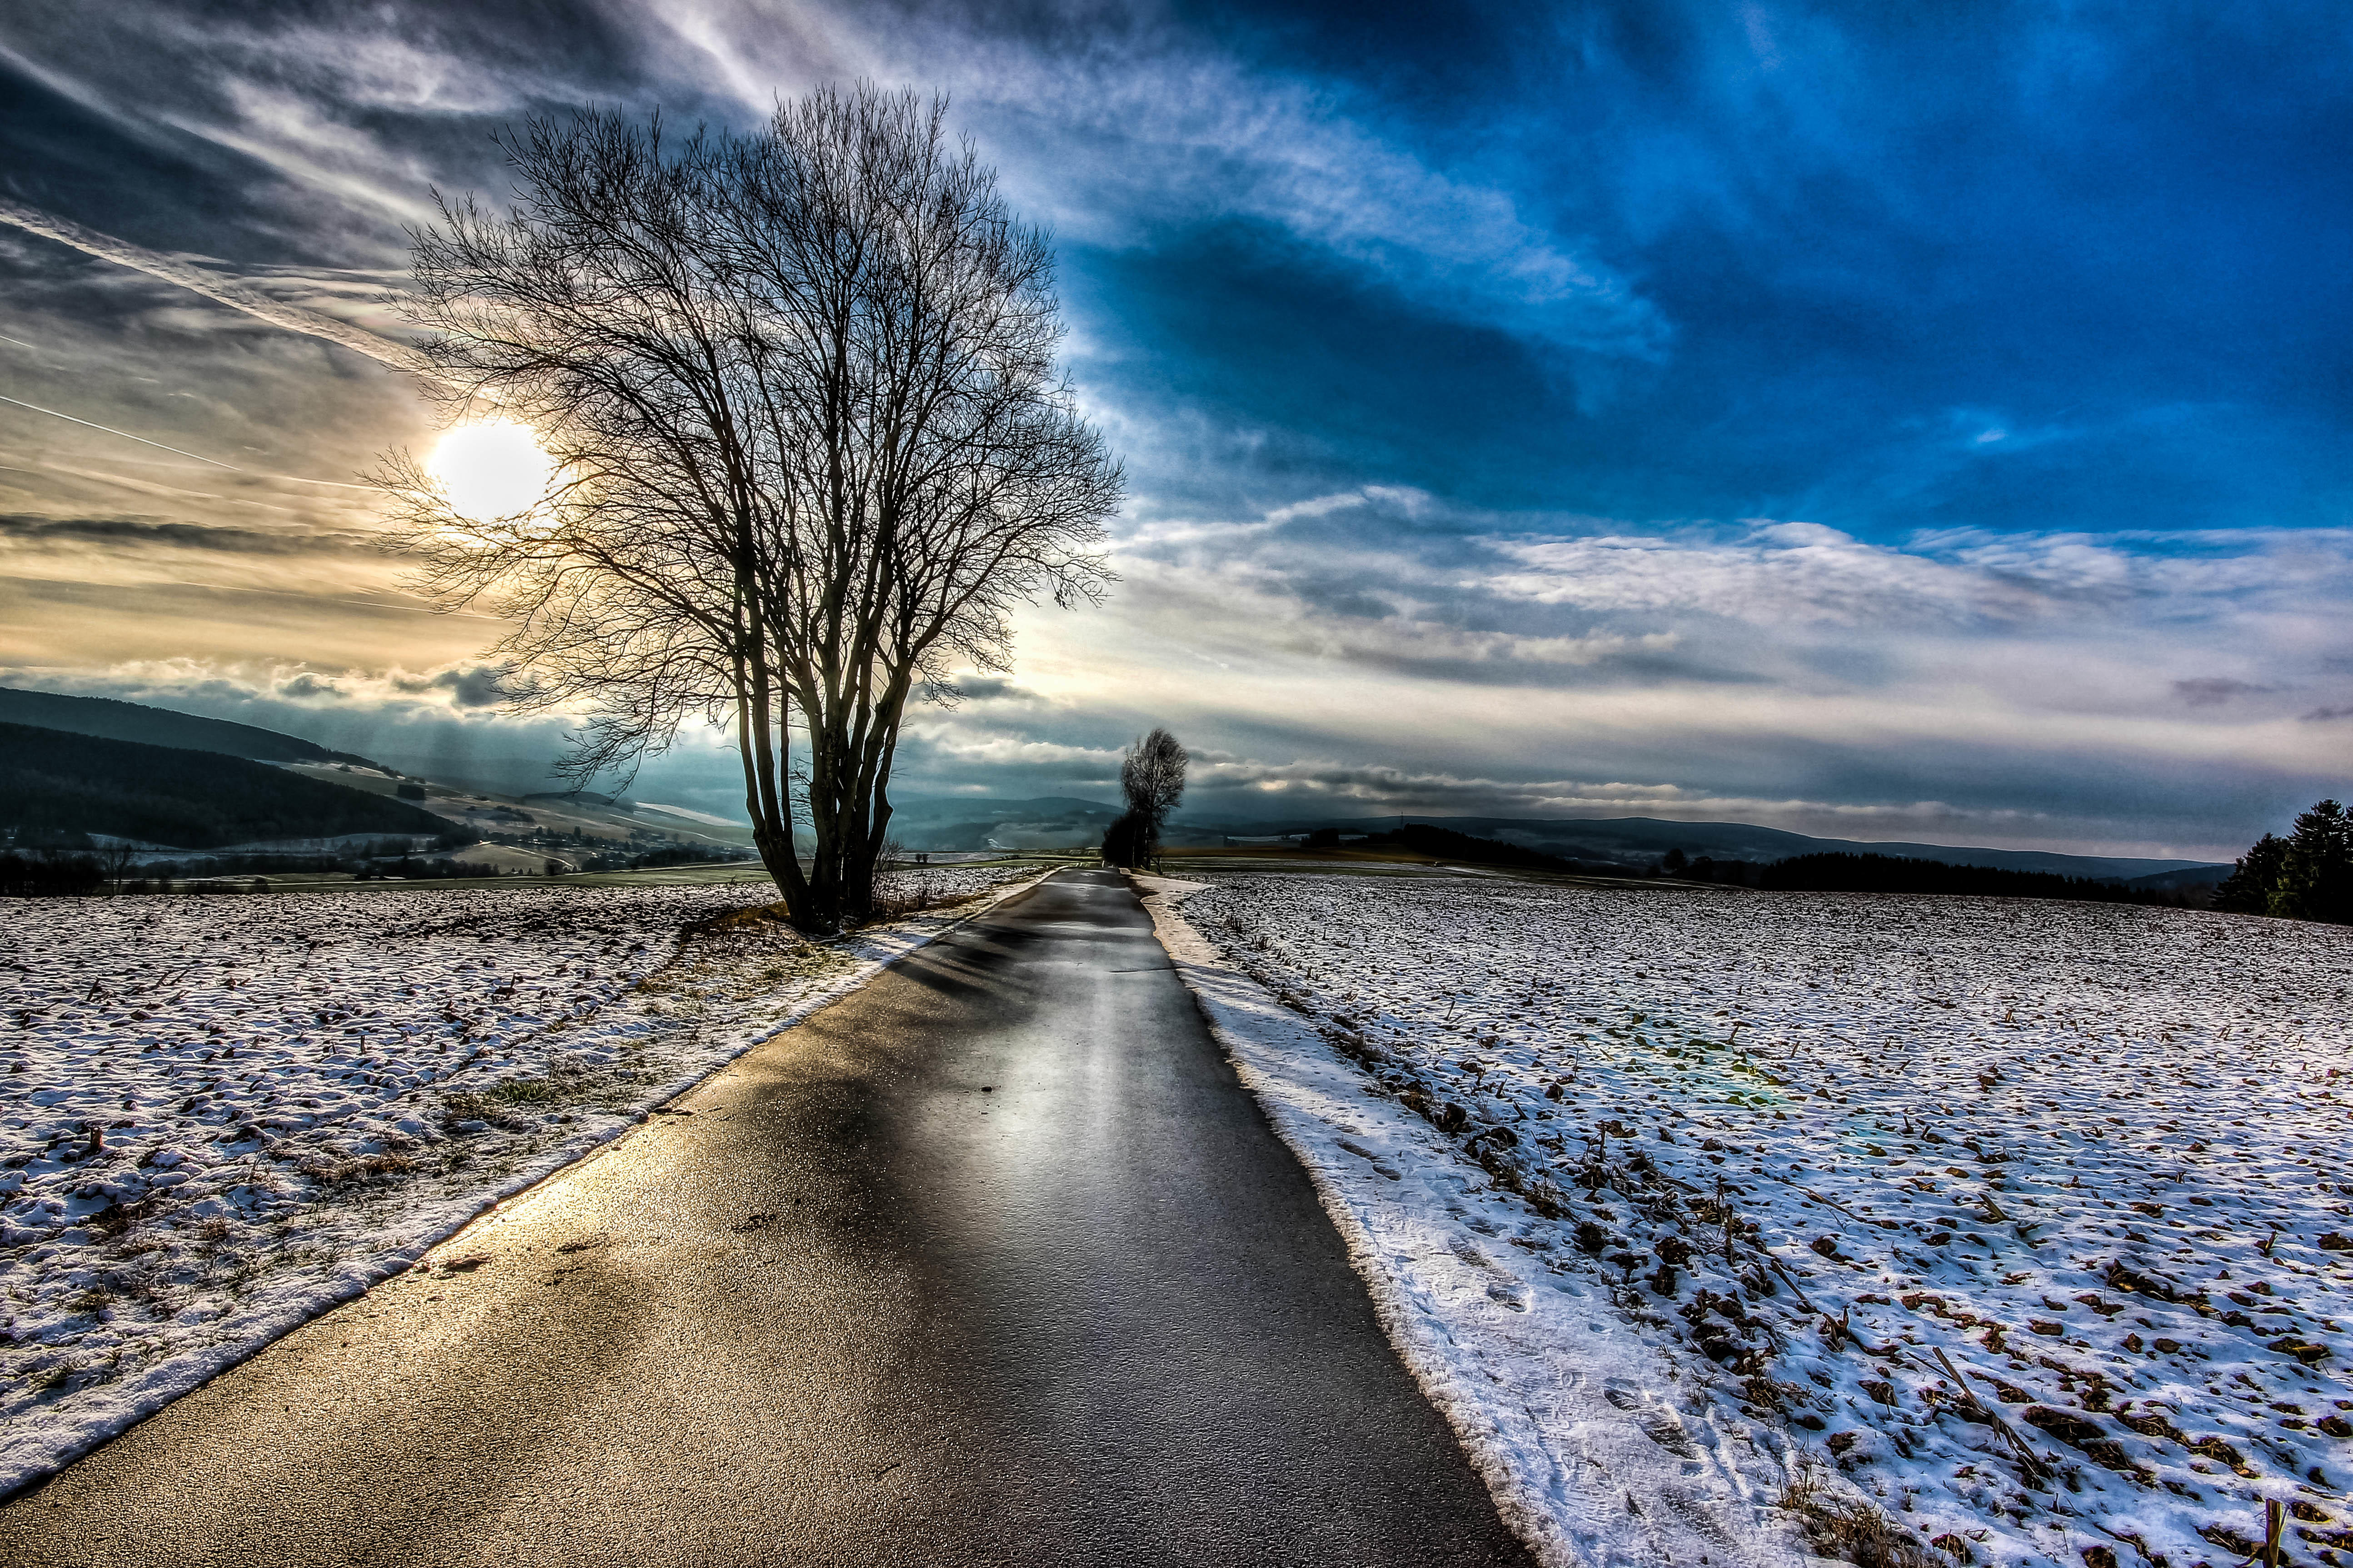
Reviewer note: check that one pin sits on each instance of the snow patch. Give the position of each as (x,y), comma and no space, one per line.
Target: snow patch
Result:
(1597,1443)
(2025,1223)
(221,1116)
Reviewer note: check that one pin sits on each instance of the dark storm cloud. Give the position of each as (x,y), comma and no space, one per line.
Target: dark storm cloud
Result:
(992,688)
(134,532)
(479,686)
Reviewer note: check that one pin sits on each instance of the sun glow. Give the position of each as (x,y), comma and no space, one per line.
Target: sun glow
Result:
(490,470)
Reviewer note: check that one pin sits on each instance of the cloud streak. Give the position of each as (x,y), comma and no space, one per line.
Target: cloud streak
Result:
(1125,137)
(111,430)
(139,532)
(212,286)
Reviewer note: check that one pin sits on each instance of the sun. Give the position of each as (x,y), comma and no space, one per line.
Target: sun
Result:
(490,470)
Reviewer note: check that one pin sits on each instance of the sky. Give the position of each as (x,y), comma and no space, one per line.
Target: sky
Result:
(1925,423)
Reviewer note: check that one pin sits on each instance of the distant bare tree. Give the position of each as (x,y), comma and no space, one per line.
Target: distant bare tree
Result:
(1151,777)
(116,859)
(811,448)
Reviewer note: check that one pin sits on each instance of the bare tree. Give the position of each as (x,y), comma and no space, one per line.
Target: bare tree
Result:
(1151,777)
(115,860)
(810,447)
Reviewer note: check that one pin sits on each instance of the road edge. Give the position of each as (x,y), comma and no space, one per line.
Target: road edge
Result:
(27,1460)
(1559,1490)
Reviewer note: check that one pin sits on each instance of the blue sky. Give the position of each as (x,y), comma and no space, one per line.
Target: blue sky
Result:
(1888,422)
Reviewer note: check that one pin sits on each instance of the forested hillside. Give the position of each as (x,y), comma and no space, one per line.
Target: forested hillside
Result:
(111,720)
(1892,873)
(52,781)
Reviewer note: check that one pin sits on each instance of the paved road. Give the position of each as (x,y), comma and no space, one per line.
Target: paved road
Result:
(993,1262)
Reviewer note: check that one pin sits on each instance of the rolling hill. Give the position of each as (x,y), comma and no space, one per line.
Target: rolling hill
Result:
(451,809)
(109,719)
(56,782)
(1631,842)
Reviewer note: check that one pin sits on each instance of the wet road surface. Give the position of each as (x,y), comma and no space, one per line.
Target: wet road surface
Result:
(994,1261)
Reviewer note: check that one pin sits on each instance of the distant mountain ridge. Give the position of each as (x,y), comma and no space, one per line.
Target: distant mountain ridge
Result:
(1631,842)
(111,720)
(970,822)
(1640,840)
(973,821)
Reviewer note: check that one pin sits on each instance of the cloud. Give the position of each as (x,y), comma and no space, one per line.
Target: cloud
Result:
(211,285)
(1136,129)
(992,688)
(16,529)
(2213,691)
(477,687)
(1289,152)
(1777,572)
(1151,130)
(1403,579)
(468,691)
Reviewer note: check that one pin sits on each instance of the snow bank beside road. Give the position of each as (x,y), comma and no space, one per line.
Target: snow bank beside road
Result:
(220,1116)
(2037,1212)
(1595,1447)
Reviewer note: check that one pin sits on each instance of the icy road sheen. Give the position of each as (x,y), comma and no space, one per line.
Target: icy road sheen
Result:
(993,1261)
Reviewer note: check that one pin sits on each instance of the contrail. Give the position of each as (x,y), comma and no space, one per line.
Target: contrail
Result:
(126,434)
(212,286)
(216,462)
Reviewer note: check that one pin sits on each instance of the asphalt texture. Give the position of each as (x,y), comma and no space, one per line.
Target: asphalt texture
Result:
(994,1261)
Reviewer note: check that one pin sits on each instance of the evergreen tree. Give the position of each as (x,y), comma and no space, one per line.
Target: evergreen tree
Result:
(2307,876)
(2247,890)
(2315,881)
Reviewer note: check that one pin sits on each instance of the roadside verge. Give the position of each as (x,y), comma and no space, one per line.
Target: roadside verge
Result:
(1591,1436)
(103,1332)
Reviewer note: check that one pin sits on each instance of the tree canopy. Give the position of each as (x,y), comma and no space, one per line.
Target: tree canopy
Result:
(1151,777)
(810,447)
(2307,876)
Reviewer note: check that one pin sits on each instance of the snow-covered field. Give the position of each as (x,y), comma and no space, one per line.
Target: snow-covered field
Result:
(220,1115)
(1719,1221)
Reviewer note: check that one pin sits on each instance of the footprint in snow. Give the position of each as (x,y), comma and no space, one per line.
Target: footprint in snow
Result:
(1660,1424)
